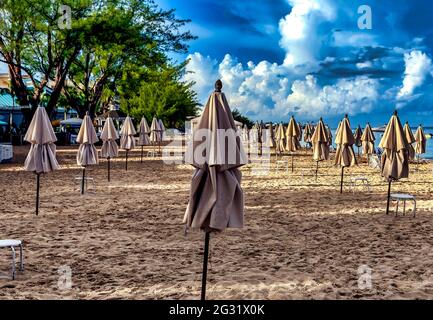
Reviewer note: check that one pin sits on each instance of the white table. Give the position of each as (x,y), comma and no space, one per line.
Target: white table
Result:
(403,197)
(363,182)
(12,244)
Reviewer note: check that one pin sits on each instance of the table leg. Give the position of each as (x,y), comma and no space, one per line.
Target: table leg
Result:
(21,258)
(404,207)
(13,263)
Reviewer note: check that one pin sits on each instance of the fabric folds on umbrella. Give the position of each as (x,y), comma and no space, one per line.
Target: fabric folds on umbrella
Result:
(245,133)
(320,142)
(216,197)
(143,133)
(345,156)
(109,136)
(127,140)
(280,138)
(162,129)
(307,133)
(87,154)
(421,141)
(395,157)
(292,136)
(368,140)
(410,140)
(155,131)
(357,136)
(271,136)
(329,135)
(42,154)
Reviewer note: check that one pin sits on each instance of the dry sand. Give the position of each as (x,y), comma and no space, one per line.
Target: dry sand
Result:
(125,240)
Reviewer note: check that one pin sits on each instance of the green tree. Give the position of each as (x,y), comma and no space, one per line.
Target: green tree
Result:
(241,118)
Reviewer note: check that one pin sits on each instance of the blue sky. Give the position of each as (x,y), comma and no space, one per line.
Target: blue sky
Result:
(309,57)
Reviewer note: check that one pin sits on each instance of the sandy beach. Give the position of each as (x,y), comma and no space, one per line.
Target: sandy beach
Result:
(302,239)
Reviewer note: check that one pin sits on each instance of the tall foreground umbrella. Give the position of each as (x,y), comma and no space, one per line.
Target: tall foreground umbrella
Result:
(42,154)
(87,154)
(216,198)
(292,138)
(143,135)
(127,140)
(320,142)
(109,148)
(357,136)
(280,139)
(421,141)
(410,140)
(344,156)
(368,142)
(395,157)
(155,134)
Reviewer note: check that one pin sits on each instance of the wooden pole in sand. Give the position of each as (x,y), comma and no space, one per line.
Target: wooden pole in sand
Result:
(389,196)
(37,192)
(317,168)
(342,178)
(205,262)
(142,151)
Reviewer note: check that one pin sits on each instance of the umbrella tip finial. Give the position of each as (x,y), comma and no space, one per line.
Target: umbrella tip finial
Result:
(395,112)
(87,113)
(321,119)
(346,115)
(218,85)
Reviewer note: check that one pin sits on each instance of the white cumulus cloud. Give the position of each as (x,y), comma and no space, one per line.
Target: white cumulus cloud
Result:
(418,66)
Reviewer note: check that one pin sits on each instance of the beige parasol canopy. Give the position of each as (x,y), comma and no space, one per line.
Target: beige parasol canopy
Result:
(216,198)
(155,130)
(345,156)
(143,130)
(395,158)
(329,135)
(320,142)
(245,133)
(109,136)
(421,140)
(292,136)
(410,140)
(270,136)
(87,154)
(127,140)
(280,138)
(300,131)
(368,140)
(308,132)
(162,129)
(357,136)
(42,154)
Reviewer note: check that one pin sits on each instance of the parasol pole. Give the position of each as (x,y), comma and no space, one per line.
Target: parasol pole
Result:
(205,262)
(292,163)
(83,179)
(389,196)
(142,150)
(317,168)
(37,192)
(126,162)
(108,167)
(342,178)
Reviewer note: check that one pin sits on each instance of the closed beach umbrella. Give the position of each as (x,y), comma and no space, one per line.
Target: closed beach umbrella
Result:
(42,154)
(292,138)
(87,154)
(127,140)
(320,143)
(245,133)
(143,135)
(421,141)
(216,197)
(344,155)
(357,136)
(280,138)
(395,157)
(261,136)
(155,136)
(162,128)
(109,148)
(300,131)
(308,132)
(271,136)
(410,140)
(329,134)
(368,140)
